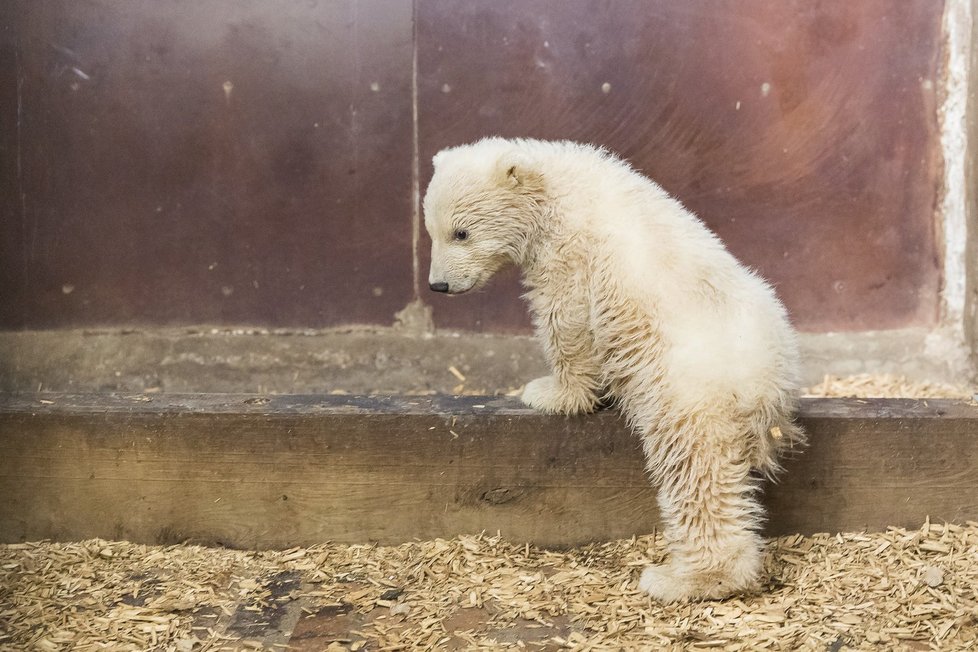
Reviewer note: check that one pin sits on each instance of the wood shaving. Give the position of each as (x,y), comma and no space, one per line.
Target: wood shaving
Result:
(894,590)
(458,374)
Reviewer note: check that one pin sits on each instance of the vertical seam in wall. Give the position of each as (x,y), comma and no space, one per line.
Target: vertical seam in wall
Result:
(28,250)
(354,113)
(415,157)
(953,126)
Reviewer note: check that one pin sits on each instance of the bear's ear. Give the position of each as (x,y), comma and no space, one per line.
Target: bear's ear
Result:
(515,171)
(437,158)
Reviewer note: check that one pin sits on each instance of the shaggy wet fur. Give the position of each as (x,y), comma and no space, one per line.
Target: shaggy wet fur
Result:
(636,302)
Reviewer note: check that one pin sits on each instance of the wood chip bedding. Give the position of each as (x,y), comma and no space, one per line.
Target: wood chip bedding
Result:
(899,589)
(887,386)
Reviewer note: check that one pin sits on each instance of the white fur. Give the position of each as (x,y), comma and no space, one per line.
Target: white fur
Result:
(635,301)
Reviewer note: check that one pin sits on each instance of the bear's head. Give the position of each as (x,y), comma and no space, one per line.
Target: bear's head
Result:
(481,210)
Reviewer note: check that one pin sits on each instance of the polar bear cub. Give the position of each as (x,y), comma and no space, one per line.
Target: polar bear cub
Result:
(636,302)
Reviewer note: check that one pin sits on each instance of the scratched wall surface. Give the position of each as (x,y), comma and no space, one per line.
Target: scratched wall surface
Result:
(803,133)
(214,162)
(250,163)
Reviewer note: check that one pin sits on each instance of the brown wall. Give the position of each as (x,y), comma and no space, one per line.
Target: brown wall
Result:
(170,162)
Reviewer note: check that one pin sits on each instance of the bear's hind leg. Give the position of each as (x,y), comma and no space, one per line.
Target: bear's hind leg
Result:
(710,512)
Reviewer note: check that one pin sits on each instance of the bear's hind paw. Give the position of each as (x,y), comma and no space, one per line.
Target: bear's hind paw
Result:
(668,584)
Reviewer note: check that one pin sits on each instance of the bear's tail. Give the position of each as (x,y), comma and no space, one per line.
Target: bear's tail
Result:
(776,436)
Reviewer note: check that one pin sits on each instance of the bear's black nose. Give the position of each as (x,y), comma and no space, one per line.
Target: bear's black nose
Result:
(439,287)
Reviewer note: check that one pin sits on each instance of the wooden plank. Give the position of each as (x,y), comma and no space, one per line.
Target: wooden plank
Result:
(277,471)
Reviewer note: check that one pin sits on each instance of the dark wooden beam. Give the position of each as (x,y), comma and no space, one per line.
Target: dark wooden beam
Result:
(277,471)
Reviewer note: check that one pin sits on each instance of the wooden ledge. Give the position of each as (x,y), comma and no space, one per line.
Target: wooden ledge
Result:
(277,471)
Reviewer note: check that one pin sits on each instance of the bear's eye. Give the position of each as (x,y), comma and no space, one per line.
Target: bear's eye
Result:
(460,234)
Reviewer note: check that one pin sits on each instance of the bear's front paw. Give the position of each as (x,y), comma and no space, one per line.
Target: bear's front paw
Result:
(547,395)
